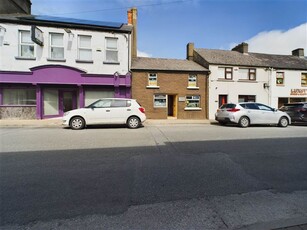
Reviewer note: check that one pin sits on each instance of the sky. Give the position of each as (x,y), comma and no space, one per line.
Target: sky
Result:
(165,27)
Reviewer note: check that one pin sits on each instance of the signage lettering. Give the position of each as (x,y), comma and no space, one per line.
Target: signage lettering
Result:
(298,92)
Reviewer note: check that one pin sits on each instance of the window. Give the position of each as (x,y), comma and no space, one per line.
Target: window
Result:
(225,73)
(250,106)
(247,98)
(84,48)
(19,97)
(280,78)
(26,45)
(192,83)
(56,46)
(304,79)
(192,101)
(264,107)
(247,74)
(159,101)
(152,79)
(111,50)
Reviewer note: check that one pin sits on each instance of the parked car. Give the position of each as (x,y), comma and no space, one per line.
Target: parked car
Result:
(250,113)
(106,111)
(297,111)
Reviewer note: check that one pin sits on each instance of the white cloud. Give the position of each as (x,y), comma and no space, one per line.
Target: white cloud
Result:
(279,42)
(143,54)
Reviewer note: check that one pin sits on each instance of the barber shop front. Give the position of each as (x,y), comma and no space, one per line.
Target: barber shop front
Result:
(51,90)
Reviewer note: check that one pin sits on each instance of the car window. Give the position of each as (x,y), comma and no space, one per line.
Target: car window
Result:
(102,104)
(228,106)
(264,107)
(250,106)
(119,103)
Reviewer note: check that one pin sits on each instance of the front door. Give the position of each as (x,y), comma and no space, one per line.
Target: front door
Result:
(172,105)
(67,101)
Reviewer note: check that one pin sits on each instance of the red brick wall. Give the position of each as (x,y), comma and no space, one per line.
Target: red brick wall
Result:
(170,84)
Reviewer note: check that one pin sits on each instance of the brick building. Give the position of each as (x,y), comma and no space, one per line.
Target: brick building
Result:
(170,88)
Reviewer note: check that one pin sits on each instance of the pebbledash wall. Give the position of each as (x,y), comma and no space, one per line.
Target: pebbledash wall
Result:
(34,85)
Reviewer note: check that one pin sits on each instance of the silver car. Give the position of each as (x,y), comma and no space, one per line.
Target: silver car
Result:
(251,113)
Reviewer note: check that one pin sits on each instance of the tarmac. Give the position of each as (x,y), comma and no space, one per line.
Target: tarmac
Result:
(295,224)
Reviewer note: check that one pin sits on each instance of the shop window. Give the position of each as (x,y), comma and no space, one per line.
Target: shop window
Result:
(160,101)
(192,81)
(192,101)
(111,50)
(51,102)
(280,78)
(304,79)
(152,80)
(84,48)
(56,46)
(26,45)
(247,98)
(93,95)
(247,74)
(225,73)
(19,97)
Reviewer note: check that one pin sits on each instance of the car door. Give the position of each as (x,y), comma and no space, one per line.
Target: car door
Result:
(120,111)
(99,112)
(268,114)
(253,112)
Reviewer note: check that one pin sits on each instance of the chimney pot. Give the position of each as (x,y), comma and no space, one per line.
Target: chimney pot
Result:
(298,52)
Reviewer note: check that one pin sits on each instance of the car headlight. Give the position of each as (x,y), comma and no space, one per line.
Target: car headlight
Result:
(65,114)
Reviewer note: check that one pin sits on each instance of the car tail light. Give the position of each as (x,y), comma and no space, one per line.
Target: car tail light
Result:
(142,109)
(233,110)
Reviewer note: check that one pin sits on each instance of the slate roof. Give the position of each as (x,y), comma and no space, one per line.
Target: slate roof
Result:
(234,58)
(162,64)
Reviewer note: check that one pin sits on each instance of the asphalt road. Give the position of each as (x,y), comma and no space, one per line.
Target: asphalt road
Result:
(155,177)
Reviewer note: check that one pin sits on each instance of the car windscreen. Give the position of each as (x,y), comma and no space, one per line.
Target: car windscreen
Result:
(228,106)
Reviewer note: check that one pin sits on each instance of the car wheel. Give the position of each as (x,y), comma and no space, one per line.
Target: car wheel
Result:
(283,122)
(244,122)
(77,123)
(133,122)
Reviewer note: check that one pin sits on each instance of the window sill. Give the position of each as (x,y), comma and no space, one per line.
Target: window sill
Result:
(160,107)
(192,109)
(225,80)
(17,105)
(57,60)
(85,61)
(25,58)
(280,85)
(111,63)
(152,87)
(248,81)
(193,88)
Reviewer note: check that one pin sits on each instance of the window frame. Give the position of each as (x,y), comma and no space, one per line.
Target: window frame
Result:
(10,96)
(304,75)
(55,46)
(277,78)
(110,49)
(30,44)
(152,83)
(160,95)
(192,81)
(85,48)
(226,71)
(187,107)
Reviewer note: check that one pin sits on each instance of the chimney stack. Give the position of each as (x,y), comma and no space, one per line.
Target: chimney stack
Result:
(242,48)
(190,51)
(298,52)
(132,20)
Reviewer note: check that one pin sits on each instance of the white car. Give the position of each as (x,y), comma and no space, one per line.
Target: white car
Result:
(251,113)
(106,111)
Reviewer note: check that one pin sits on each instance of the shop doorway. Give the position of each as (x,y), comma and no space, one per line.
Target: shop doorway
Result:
(68,101)
(172,106)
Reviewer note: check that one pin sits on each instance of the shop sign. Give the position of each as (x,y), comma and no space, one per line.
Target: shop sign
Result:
(298,92)
(37,35)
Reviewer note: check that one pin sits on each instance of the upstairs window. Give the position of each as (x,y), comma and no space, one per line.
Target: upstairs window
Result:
(225,73)
(84,48)
(280,78)
(247,74)
(304,79)
(192,82)
(26,45)
(56,46)
(152,80)
(111,50)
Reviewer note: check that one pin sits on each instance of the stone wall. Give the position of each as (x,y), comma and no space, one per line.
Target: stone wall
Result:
(24,112)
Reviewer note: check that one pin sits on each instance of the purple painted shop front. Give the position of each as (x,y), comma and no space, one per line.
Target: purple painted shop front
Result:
(66,83)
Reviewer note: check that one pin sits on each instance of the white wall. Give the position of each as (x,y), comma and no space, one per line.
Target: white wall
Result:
(235,87)
(9,50)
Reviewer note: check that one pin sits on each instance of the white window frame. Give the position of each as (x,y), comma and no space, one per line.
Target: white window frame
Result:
(304,79)
(159,97)
(280,75)
(56,46)
(192,98)
(84,48)
(192,82)
(111,49)
(29,44)
(152,81)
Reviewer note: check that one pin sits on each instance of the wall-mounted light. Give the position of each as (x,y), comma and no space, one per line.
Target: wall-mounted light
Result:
(266,85)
